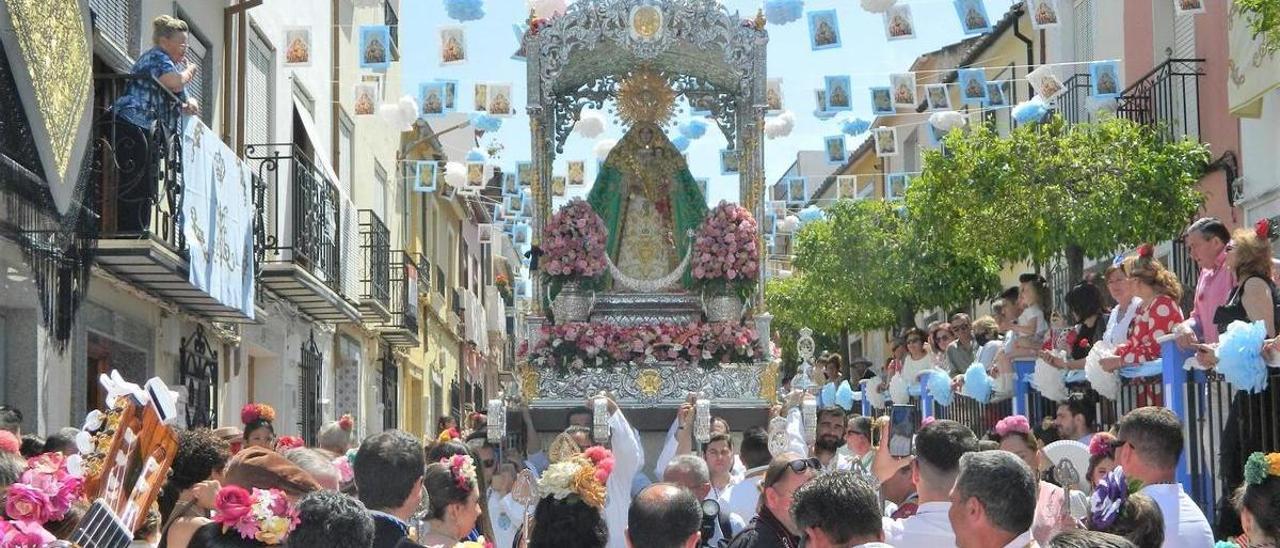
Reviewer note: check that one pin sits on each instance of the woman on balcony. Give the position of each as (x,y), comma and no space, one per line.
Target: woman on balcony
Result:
(137,112)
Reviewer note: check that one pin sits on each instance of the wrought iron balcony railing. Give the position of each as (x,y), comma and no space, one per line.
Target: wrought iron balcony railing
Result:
(375,282)
(1167,98)
(311,239)
(1072,104)
(402,328)
(139,168)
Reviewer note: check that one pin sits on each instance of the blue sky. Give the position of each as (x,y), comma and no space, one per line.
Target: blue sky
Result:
(865,55)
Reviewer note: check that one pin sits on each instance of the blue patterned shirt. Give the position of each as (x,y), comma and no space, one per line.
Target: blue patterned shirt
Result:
(138,105)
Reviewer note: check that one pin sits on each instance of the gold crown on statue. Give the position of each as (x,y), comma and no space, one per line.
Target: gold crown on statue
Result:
(645,96)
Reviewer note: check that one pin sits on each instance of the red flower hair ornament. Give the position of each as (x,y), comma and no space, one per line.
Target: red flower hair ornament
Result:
(254,412)
(345,422)
(1263,229)
(1146,251)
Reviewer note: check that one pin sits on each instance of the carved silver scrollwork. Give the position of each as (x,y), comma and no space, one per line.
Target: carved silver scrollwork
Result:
(657,383)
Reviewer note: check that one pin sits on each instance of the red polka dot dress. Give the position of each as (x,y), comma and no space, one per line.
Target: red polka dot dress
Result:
(1154,320)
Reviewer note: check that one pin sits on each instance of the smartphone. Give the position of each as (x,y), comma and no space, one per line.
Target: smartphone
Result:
(902,429)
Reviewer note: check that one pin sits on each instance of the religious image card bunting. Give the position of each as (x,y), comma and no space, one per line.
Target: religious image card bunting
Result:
(973,16)
(519,55)
(837,93)
(1188,7)
(1105,79)
(509,184)
(500,99)
(365,99)
(1044,14)
(796,191)
(898,24)
(425,176)
(297,46)
(481,101)
(834,147)
(973,85)
(882,100)
(475,176)
(450,95)
(453,45)
(996,94)
(773,95)
(728,162)
(375,47)
(886,141)
(846,186)
(820,99)
(558,186)
(1046,82)
(524,173)
(938,97)
(895,186)
(577,173)
(904,90)
(431,97)
(824,30)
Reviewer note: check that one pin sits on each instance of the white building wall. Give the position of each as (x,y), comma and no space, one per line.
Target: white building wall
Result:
(1260,160)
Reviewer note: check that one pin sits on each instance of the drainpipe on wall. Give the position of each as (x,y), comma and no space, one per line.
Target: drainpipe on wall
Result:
(1031,57)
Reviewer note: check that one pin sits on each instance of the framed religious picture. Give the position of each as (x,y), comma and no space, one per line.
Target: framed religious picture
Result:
(376,80)
(509,184)
(846,186)
(1044,14)
(431,97)
(973,16)
(475,175)
(375,47)
(773,95)
(577,173)
(453,45)
(837,93)
(500,99)
(834,147)
(824,29)
(797,191)
(886,139)
(365,100)
(938,97)
(1046,82)
(1105,78)
(447,191)
(895,186)
(481,98)
(424,177)
(521,233)
(770,224)
(450,95)
(904,90)
(820,99)
(557,186)
(702,104)
(898,24)
(297,46)
(514,204)
(729,162)
(973,85)
(882,100)
(524,174)
(995,95)
(1188,7)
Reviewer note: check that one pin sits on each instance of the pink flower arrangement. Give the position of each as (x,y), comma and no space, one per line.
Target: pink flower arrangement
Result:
(573,346)
(573,243)
(24,534)
(45,491)
(1013,424)
(725,248)
(286,443)
(262,515)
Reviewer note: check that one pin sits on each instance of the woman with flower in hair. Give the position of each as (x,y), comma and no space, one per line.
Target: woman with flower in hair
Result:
(1014,435)
(258,430)
(248,517)
(1102,457)
(1118,508)
(454,496)
(335,437)
(1159,314)
(570,514)
(1258,501)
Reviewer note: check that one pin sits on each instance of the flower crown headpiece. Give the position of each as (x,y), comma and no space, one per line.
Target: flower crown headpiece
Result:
(253,412)
(44,492)
(1109,497)
(1260,466)
(463,470)
(264,515)
(1013,424)
(286,443)
(583,476)
(347,423)
(1263,229)
(1100,445)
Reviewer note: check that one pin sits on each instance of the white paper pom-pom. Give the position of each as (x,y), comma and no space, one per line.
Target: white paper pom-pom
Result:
(547,8)
(947,120)
(408,111)
(590,124)
(1105,383)
(788,225)
(898,390)
(455,174)
(1048,380)
(780,125)
(603,148)
(873,394)
(878,6)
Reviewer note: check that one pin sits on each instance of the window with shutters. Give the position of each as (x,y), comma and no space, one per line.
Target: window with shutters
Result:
(380,191)
(1084,30)
(259,109)
(1184,36)
(120,22)
(201,85)
(393,22)
(346,154)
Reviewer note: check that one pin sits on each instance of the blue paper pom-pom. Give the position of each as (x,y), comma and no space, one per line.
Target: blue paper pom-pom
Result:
(856,126)
(977,383)
(464,10)
(476,155)
(681,143)
(939,385)
(1030,111)
(1240,356)
(693,128)
(781,12)
(810,214)
(486,122)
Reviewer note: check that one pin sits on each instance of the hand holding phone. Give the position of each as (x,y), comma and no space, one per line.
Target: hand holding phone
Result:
(902,429)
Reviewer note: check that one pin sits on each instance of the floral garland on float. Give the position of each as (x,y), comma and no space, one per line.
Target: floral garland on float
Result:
(726,255)
(573,257)
(572,347)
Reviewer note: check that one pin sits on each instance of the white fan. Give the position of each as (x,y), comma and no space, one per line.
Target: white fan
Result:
(1070,460)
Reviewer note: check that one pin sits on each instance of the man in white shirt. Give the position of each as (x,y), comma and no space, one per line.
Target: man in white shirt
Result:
(627,458)
(680,439)
(993,502)
(857,447)
(838,509)
(1148,446)
(830,436)
(743,497)
(692,473)
(938,449)
(1074,420)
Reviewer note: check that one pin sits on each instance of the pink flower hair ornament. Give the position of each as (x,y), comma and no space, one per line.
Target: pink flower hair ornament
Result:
(1013,424)
(1100,445)
(463,470)
(261,515)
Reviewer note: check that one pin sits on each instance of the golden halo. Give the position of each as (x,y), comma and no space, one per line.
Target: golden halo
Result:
(645,96)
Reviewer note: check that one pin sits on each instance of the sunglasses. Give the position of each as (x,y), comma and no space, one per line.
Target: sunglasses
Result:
(1116,444)
(800,465)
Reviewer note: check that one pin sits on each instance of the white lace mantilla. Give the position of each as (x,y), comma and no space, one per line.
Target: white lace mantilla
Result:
(649,286)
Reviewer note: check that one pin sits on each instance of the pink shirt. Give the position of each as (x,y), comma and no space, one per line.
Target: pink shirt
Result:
(1212,290)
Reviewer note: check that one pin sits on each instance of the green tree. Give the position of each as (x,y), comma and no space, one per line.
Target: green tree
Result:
(1085,190)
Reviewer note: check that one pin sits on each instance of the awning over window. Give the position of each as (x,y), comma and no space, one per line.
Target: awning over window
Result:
(1252,73)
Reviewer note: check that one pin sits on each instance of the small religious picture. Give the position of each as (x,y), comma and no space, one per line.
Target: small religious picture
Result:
(509,184)
(770,224)
(524,173)
(1105,78)
(557,186)
(702,186)
(995,95)
(882,100)
(482,98)
(519,55)
(1188,7)
(521,235)
(938,97)
(375,46)
(904,89)
(499,212)
(729,162)
(895,186)
(1046,82)
(973,16)
(514,204)
(886,141)
(824,29)
(796,191)
(431,95)
(834,147)
(577,173)
(500,99)
(424,179)
(447,191)
(1044,14)
(820,99)
(297,46)
(702,104)
(475,175)
(973,85)
(898,24)
(846,186)
(837,88)
(373,79)
(365,103)
(773,95)
(453,45)
(450,95)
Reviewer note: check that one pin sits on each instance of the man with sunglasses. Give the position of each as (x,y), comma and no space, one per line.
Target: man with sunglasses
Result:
(504,514)
(962,350)
(938,448)
(774,526)
(1148,446)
